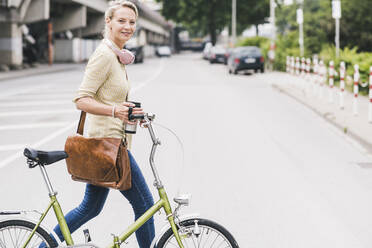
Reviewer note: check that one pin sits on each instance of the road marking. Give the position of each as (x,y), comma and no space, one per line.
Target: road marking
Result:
(150,79)
(19,154)
(33,103)
(48,138)
(36,97)
(11,147)
(34,125)
(23,91)
(39,112)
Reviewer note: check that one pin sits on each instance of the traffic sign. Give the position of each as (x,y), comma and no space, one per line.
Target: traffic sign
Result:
(336,9)
(300,16)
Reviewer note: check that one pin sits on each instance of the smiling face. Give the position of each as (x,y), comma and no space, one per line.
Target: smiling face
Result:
(121,25)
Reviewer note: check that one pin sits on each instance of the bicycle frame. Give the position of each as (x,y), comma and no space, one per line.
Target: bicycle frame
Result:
(163,202)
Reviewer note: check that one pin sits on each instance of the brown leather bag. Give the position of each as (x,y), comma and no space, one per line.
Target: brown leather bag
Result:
(99,161)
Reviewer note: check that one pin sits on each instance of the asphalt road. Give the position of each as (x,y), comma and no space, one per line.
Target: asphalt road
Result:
(269,169)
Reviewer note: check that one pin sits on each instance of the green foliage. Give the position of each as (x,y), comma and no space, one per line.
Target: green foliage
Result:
(251,12)
(201,17)
(319,26)
(253,41)
(351,57)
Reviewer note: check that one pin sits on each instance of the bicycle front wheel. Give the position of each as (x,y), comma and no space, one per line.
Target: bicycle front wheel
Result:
(14,233)
(200,233)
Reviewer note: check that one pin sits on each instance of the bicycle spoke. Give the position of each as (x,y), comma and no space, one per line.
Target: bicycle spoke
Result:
(11,237)
(17,236)
(23,238)
(36,242)
(208,235)
(2,245)
(3,240)
(215,239)
(223,241)
(175,245)
(201,238)
(187,246)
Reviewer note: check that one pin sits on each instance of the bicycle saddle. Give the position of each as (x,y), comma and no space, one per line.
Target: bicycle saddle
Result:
(44,158)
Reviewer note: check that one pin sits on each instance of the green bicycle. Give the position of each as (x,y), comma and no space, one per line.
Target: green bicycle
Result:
(183,232)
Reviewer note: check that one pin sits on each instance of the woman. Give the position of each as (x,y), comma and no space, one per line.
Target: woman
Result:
(103,95)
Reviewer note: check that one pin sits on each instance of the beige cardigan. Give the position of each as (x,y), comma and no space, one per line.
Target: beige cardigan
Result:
(105,81)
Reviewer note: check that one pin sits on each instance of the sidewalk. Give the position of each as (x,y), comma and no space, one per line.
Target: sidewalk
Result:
(41,69)
(305,92)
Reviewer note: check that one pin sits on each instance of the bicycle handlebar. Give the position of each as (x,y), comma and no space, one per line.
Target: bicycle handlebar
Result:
(148,118)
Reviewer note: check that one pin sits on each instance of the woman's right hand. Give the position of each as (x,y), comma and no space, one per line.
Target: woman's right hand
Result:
(121,112)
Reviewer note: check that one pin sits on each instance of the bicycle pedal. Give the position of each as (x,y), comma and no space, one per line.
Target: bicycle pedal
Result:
(87,235)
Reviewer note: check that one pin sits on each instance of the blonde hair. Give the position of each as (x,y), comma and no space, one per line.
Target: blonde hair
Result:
(113,6)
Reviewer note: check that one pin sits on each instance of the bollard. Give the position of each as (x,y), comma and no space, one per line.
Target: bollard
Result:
(342,84)
(331,73)
(303,67)
(370,95)
(308,77)
(293,65)
(287,65)
(308,68)
(322,71)
(315,75)
(298,66)
(356,89)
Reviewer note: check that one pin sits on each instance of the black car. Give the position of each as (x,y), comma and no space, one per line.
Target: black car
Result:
(246,58)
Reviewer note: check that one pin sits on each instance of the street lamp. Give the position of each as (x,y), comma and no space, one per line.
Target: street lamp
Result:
(300,21)
(233,22)
(336,14)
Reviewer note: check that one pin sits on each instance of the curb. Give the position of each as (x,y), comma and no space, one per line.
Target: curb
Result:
(344,129)
(32,72)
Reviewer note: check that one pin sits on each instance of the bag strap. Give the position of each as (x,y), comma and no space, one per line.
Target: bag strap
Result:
(80,129)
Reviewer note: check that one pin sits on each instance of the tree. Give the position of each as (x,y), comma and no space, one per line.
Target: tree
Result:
(319,26)
(251,12)
(212,16)
(198,16)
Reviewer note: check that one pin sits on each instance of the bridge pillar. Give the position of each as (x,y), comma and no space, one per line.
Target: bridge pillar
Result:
(73,17)
(10,44)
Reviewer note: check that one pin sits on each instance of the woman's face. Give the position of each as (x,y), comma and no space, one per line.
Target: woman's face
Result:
(122,25)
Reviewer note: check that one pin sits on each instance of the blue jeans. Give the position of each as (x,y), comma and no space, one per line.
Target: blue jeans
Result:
(139,197)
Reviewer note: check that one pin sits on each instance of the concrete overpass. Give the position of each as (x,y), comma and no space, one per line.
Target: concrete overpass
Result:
(74,22)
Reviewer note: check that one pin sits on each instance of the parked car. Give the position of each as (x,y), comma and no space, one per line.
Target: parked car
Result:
(246,58)
(207,50)
(163,51)
(138,53)
(227,54)
(217,54)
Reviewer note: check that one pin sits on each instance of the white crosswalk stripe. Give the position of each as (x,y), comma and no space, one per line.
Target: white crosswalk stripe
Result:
(37,112)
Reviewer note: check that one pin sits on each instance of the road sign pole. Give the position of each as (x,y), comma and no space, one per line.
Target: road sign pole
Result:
(336,14)
(337,41)
(300,21)
(233,22)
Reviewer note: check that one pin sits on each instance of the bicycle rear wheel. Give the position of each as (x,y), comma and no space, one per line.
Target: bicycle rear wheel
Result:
(199,233)
(14,233)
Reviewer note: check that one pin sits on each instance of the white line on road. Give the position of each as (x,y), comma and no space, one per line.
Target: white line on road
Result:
(40,112)
(11,147)
(34,125)
(33,103)
(37,96)
(48,138)
(150,79)
(61,131)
